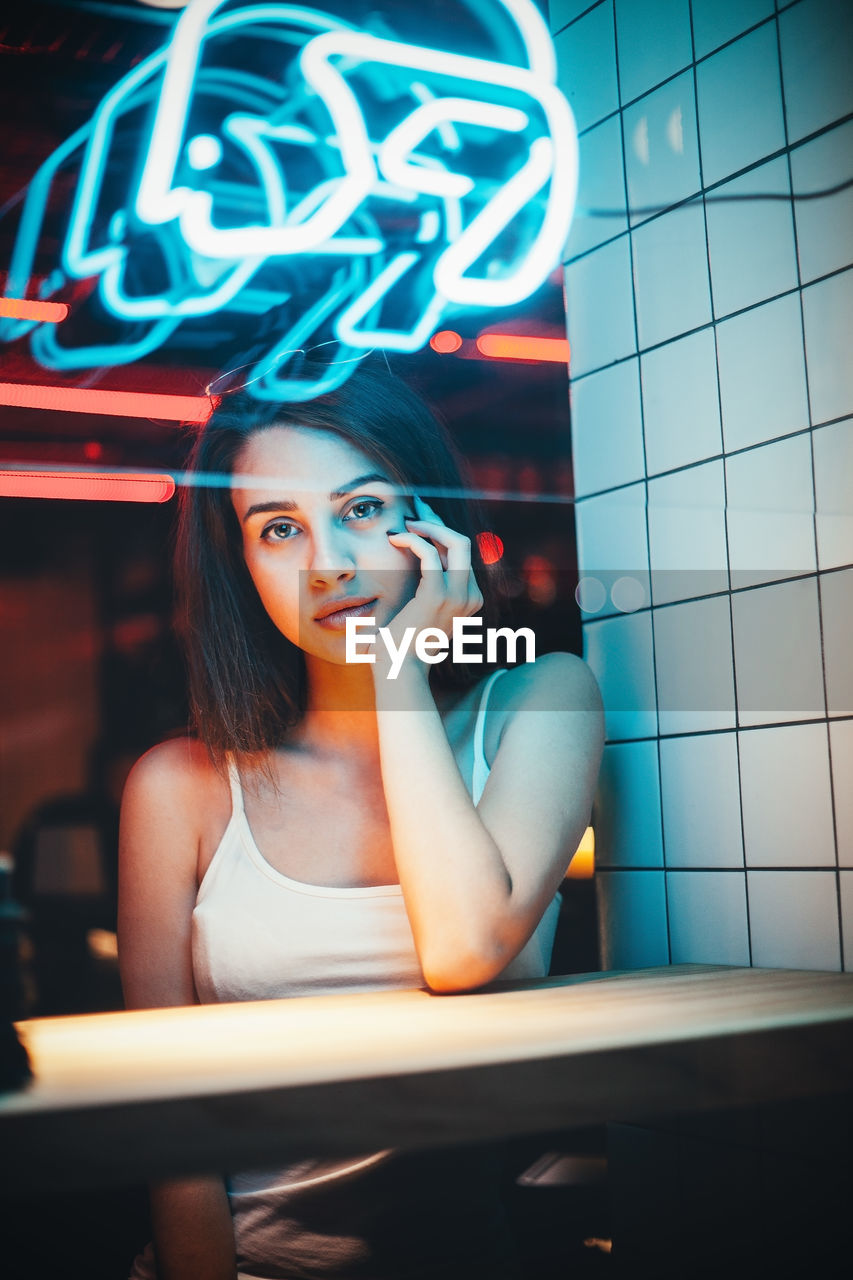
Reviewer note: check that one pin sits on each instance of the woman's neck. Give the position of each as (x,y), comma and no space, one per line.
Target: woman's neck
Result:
(340,714)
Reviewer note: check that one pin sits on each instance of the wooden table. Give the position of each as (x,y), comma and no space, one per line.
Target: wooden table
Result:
(119,1097)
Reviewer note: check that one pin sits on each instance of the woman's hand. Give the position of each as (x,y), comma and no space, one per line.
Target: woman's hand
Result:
(447,588)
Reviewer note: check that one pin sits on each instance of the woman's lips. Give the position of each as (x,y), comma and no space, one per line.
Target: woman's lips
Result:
(337,621)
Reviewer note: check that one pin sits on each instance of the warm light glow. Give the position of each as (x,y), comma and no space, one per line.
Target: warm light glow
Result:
(511,346)
(89,486)
(115,404)
(21,309)
(491,547)
(445,342)
(582,864)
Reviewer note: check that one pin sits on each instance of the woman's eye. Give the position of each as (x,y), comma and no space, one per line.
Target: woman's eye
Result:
(279,531)
(364,509)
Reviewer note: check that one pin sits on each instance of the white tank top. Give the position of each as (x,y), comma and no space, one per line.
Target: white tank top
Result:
(259,935)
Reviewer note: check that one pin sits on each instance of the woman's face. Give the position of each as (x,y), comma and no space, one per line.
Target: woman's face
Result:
(315,513)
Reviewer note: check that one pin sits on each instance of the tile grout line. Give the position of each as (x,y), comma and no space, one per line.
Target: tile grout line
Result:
(725,496)
(700,328)
(712,457)
(818,581)
(645,482)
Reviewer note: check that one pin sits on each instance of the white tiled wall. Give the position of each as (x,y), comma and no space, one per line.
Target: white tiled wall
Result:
(661,147)
(700,800)
(627,812)
(762,373)
(693,666)
(740,104)
(711,323)
(681,403)
(751,243)
(707,912)
(833,465)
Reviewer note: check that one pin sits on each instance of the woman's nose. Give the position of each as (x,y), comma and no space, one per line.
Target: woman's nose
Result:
(331,558)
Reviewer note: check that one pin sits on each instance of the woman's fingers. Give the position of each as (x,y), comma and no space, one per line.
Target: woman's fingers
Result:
(455,551)
(427,530)
(449,551)
(458,584)
(456,546)
(475,595)
(424,511)
(424,550)
(432,526)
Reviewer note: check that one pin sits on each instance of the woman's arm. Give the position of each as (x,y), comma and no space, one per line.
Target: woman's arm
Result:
(158,861)
(476,880)
(193,1235)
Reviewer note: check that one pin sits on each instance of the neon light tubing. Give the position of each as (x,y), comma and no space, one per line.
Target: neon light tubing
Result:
(115,404)
(87,486)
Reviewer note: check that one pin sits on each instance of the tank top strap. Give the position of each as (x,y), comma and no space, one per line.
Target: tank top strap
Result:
(235,784)
(481,768)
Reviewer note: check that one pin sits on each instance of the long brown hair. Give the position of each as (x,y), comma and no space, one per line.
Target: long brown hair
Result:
(247,683)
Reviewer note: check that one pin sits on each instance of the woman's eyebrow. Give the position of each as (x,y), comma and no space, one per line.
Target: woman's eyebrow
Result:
(371,478)
(287,504)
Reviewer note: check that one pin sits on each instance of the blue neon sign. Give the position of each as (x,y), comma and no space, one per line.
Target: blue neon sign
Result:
(272,158)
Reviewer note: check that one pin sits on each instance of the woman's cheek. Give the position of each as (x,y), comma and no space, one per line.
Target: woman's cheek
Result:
(280,604)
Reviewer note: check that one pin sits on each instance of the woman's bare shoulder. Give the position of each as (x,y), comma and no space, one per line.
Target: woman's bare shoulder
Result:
(178,770)
(555,681)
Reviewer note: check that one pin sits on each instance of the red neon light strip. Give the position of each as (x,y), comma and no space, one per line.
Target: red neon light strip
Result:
(116,404)
(21,309)
(89,486)
(510,346)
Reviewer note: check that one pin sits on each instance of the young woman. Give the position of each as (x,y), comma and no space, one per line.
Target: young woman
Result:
(331,828)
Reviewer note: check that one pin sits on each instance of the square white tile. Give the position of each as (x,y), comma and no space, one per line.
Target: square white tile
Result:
(601,189)
(762,373)
(607,429)
(816,39)
(600,306)
(778,653)
(632,919)
(770,512)
(661,148)
(693,666)
(612,544)
(833,469)
(717,21)
(846,888)
(671,275)
(707,917)
(793,919)
(828,320)
(700,788)
(841,749)
(740,105)
(824,226)
(586,65)
(687,533)
(681,402)
(619,651)
(836,606)
(751,243)
(654,42)
(787,808)
(626,816)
